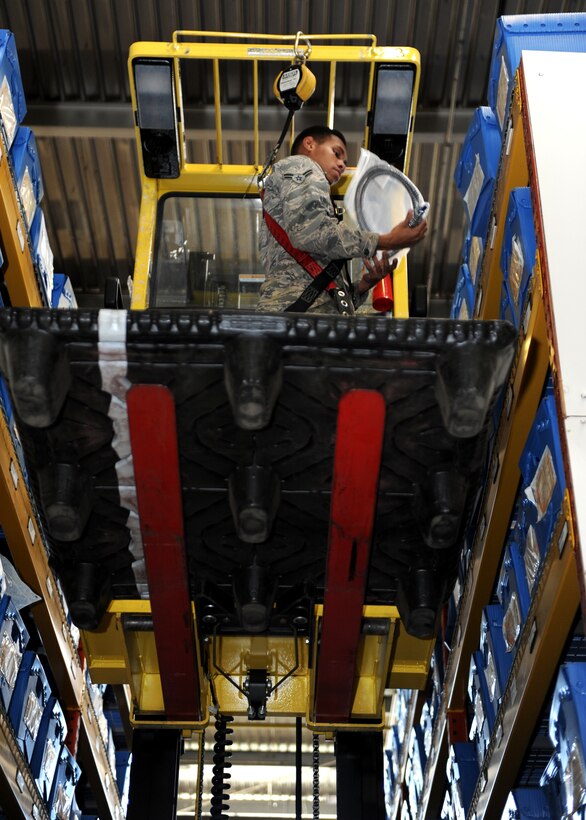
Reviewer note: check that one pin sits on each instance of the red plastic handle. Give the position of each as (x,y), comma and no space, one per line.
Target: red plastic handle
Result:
(382,295)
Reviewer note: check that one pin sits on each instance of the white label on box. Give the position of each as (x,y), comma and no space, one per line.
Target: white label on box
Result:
(31,531)
(492,233)
(563,538)
(33,712)
(14,474)
(509,139)
(20,234)
(516,265)
(502,92)
(10,659)
(512,623)
(20,781)
(526,317)
(540,491)
(49,586)
(531,557)
(474,187)
(27,197)
(474,257)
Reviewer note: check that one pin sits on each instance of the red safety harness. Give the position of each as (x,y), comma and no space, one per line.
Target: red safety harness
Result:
(323,278)
(302,258)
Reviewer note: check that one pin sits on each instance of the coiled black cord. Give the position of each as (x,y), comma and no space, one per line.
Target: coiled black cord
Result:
(202,741)
(220,777)
(316,777)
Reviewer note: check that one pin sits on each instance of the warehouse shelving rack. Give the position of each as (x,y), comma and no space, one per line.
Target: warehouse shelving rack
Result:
(24,534)
(537,153)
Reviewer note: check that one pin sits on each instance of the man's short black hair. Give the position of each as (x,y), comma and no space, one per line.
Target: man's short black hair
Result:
(320,133)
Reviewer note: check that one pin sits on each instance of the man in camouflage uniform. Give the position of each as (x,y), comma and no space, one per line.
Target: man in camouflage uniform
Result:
(297,197)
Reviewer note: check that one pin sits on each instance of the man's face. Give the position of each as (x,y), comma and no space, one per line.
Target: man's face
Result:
(330,155)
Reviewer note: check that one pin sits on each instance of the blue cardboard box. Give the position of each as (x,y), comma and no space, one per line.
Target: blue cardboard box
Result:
(462,771)
(124,764)
(542,469)
(13,640)
(513,592)
(418,758)
(473,255)
(477,169)
(482,707)
(62,295)
(27,172)
(42,253)
(50,739)
(464,295)
(550,783)
(567,731)
(497,660)
(532,32)
(527,804)
(28,703)
(2,577)
(66,779)
(518,254)
(12,99)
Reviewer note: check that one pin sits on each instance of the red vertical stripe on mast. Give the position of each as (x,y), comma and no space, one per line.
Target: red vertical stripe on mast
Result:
(357,459)
(153,436)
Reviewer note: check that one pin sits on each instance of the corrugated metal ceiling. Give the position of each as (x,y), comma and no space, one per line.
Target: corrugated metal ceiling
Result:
(73,61)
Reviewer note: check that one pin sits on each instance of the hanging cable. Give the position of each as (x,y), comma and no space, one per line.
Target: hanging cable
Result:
(293,86)
(201,764)
(220,786)
(315,776)
(273,156)
(298,769)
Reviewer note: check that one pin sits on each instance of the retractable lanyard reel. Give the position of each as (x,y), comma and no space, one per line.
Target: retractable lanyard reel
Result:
(293,86)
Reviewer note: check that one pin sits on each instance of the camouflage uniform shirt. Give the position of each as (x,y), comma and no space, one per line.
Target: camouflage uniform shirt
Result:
(297,196)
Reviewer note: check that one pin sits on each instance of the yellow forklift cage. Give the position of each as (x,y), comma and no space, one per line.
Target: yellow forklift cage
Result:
(222,178)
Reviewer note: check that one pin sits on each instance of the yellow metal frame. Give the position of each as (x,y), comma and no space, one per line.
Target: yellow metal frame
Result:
(116,656)
(384,661)
(223,178)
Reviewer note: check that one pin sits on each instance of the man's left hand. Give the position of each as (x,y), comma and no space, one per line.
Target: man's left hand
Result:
(376,269)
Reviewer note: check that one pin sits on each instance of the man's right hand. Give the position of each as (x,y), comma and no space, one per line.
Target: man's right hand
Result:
(402,236)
